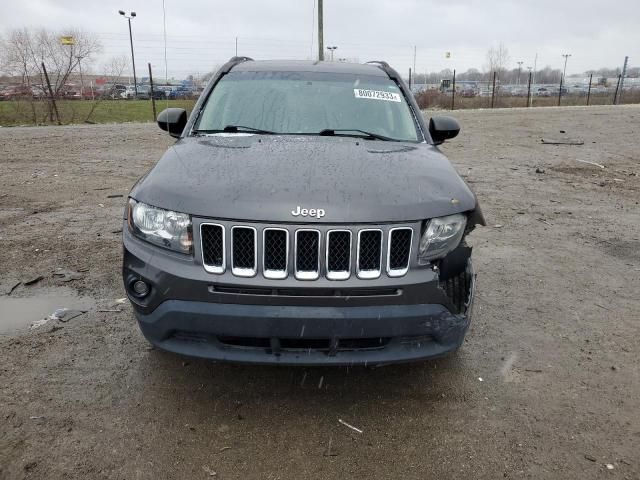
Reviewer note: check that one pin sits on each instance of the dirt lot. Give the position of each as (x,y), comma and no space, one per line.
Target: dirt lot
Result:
(546,386)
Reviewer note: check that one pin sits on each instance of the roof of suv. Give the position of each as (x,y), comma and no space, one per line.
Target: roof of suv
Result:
(309,66)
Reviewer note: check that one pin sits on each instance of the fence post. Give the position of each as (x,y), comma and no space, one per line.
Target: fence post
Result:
(560,90)
(493,90)
(410,80)
(589,91)
(529,91)
(53,100)
(453,92)
(153,99)
(615,95)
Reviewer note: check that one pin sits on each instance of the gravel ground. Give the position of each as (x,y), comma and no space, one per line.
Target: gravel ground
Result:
(547,384)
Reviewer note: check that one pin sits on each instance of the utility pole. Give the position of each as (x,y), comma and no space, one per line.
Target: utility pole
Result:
(624,72)
(566,57)
(320,33)
(529,87)
(414,60)
(535,66)
(236,46)
(81,79)
(133,60)
(519,69)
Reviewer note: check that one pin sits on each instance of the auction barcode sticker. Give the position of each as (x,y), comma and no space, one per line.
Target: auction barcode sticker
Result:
(377,95)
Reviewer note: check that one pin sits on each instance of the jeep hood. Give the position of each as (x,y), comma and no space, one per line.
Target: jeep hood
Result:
(265,177)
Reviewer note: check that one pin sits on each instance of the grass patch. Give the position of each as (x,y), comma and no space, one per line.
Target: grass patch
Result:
(36,112)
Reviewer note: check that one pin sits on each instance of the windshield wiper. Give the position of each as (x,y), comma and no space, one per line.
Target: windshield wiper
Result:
(329,132)
(235,129)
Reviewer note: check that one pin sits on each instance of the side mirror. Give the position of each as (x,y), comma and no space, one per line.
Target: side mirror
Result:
(443,128)
(173,121)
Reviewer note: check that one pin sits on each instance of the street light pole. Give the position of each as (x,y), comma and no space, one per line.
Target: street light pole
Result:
(133,59)
(332,49)
(566,57)
(320,32)
(519,69)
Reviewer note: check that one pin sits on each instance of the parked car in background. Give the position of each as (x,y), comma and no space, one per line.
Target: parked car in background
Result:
(14,92)
(113,91)
(144,92)
(543,92)
(468,92)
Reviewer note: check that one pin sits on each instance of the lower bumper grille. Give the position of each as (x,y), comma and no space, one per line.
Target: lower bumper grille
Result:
(304,344)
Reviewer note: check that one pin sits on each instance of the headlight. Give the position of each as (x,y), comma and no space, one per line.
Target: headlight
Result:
(441,236)
(164,228)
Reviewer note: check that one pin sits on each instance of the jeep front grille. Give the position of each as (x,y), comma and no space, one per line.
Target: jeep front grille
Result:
(369,253)
(243,251)
(213,247)
(275,252)
(399,250)
(306,253)
(307,260)
(338,259)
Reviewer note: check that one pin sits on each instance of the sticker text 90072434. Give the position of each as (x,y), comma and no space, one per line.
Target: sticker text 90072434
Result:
(377,95)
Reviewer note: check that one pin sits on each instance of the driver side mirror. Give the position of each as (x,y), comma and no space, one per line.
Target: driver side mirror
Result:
(443,128)
(173,121)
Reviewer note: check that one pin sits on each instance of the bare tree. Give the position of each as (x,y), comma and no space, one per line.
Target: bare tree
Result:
(112,70)
(497,59)
(24,52)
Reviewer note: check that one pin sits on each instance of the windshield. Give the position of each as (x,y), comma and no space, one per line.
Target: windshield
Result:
(309,103)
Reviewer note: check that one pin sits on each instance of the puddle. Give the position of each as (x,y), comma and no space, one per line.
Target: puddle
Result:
(20,313)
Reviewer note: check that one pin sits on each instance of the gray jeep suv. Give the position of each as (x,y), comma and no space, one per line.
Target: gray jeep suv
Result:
(304,216)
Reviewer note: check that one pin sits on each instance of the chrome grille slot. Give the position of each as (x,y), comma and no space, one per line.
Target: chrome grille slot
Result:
(369,256)
(399,251)
(243,251)
(307,254)
(213,257)
(275,253)
(338,254)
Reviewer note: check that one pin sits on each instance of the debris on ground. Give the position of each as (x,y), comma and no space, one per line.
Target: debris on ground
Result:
(355,429)
(591,458)
(539,170)
(208,471)
(39,323)
(33,280)
(118,195)
(562,141)
(609,466)
(65,275)
(590,163)
(65,314)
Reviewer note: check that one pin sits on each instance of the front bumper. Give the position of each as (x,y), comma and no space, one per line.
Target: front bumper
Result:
(304,335)
(187,314)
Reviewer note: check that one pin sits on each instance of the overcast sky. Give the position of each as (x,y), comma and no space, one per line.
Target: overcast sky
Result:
(201,33)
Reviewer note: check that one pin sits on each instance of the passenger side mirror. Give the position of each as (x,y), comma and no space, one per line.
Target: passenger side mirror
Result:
(173,121)
(443,128)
